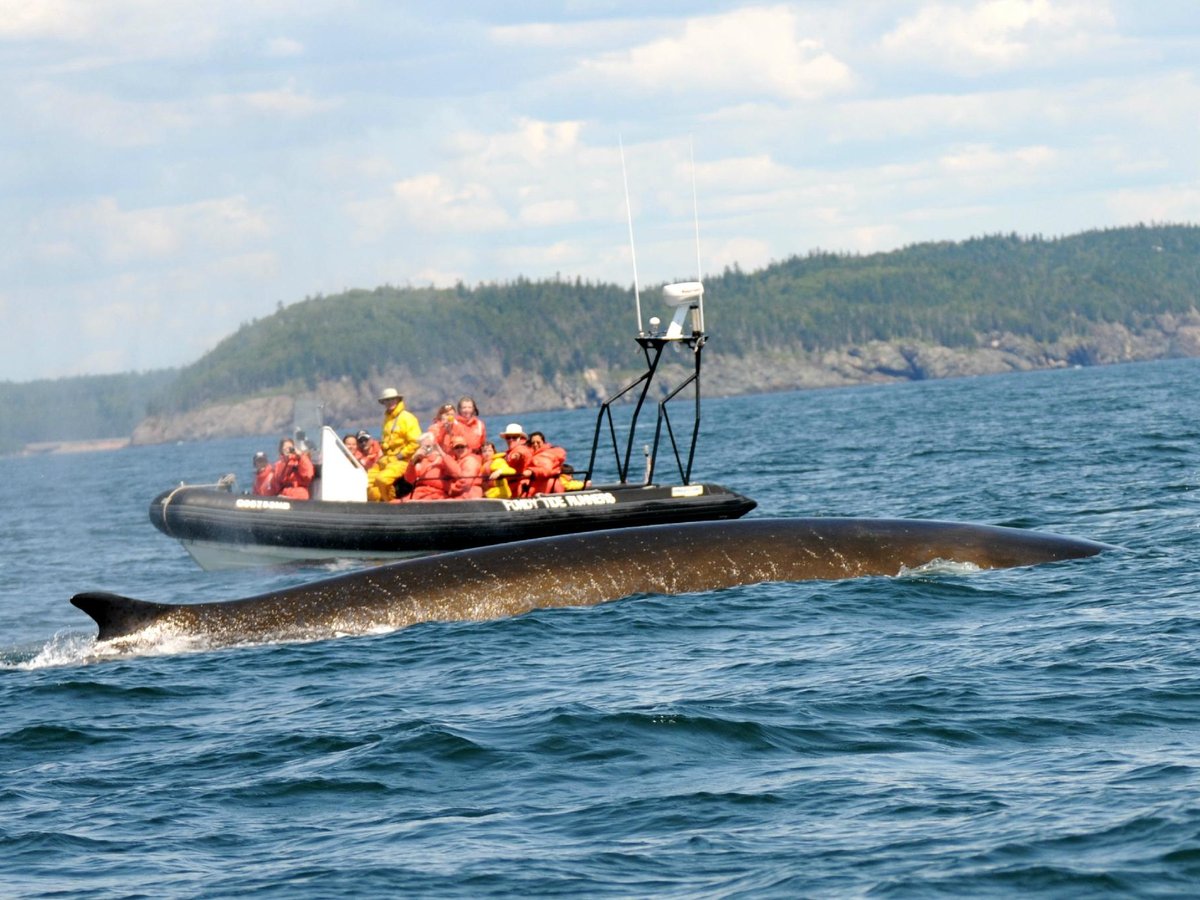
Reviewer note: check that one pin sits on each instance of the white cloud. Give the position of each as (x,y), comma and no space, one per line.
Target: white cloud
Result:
(549,212)
(285,101)
(1000,34)
(139,317)
(1166,203)
(103,231)
(114,31)
(568,256)
(872,238)
(111,121)
(482,182)
(260,266)
(103,323)
(747,253)
(433,201)
(755,50)
(743,174)
(435,276)
(531,142)
(283,48)
(102,118)
(54,19)
(559,36)
(113,28)
(229,155)
(986,164)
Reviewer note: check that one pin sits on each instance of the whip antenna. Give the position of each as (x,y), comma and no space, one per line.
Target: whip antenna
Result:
(696,217)
(637,299)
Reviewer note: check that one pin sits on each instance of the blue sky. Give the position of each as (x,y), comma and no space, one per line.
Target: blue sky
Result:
(171,170)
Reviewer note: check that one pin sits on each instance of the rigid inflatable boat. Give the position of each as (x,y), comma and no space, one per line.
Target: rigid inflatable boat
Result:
(223,529)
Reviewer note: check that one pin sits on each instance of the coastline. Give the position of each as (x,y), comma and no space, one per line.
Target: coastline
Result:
(90,445)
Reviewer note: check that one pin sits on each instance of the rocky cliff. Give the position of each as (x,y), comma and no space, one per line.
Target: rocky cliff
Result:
(499,392)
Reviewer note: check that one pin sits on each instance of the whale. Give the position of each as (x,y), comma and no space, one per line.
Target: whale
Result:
(578,570)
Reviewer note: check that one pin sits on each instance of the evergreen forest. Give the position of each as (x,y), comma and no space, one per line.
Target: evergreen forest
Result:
(955,294)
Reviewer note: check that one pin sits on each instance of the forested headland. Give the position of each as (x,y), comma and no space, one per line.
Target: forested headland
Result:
(988,304)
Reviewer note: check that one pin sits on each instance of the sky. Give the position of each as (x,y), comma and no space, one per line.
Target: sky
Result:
(170,171)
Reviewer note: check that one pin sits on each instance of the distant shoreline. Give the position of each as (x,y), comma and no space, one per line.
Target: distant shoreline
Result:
(41,448)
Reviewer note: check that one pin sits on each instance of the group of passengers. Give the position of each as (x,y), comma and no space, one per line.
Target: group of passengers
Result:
(452,460)
(290,476)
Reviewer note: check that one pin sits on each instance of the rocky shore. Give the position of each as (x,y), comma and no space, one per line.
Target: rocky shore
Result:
(347,404)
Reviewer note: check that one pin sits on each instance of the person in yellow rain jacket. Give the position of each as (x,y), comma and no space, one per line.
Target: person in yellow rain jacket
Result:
(496,473)
(399,437)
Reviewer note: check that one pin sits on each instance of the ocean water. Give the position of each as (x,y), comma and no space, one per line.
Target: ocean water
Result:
(1028,732)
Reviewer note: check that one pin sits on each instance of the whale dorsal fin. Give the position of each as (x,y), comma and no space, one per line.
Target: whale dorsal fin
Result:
(118,616)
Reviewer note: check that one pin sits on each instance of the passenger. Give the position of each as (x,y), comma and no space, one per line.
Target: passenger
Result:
(398,440)
(264,476)
(369,450)
(544,466)
(293,471)
(445,427)
(517,457)
(568,482)
(475,431)
(468,484)
(427,471)
(498,473)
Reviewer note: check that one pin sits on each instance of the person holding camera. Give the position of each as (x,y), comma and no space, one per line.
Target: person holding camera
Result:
(293,471)
(445,428)
(429,471)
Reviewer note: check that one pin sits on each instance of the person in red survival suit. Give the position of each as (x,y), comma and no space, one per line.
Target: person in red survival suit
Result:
(264,476)
(517,456)
(545,465)
(429,471)
(469,484)
(445,427)
(474,429)
(369,449)
(351,442)
(293,471)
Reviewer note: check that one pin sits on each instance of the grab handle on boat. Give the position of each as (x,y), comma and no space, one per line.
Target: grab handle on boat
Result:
(225,482)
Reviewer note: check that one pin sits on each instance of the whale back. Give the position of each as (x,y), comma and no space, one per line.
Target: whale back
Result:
(585,569)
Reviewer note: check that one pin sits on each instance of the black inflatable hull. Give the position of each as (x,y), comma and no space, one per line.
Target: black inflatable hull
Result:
(221,529)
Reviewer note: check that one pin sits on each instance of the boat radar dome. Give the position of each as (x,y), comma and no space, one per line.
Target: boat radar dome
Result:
(683,293)
(683,296)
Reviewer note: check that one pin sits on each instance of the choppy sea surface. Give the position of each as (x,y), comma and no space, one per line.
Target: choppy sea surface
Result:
(1027,732)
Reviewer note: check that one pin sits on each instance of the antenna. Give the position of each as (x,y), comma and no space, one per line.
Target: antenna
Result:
(696,217)
(637,299)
